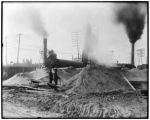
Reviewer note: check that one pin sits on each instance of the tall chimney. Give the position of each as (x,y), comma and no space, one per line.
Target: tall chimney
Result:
(45,50)
(132,53)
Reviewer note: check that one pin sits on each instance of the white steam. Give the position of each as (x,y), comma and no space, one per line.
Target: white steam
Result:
(93,48)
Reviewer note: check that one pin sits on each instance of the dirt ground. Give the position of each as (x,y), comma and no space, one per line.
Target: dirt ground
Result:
(45,102)
(17,111)
(20,103)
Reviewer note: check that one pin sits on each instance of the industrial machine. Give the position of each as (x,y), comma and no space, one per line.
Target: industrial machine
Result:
(51,61)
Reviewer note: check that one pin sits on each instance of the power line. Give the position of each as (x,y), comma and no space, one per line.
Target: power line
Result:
(14,46)
(27,45)
(34,50)
(26,49)
(12,43)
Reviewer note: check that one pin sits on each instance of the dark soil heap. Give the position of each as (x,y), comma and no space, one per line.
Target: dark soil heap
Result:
(100,92)
(97,79)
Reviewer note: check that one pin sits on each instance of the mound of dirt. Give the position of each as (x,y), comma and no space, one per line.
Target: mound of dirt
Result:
(98,79)
(24,79)
(67,73)
(37,74)
(17,80)
(136,74)
(100,92)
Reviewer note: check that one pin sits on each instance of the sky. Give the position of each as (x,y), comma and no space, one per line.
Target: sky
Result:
(58,21)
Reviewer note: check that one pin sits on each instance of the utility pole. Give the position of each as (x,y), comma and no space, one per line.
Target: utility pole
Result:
(140,54)
(19,35)
(6,49)
(75,41)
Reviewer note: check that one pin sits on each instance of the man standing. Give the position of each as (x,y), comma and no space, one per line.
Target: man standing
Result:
(55,77)
(50,76)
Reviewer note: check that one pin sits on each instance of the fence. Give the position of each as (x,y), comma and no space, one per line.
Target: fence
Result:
(9,71)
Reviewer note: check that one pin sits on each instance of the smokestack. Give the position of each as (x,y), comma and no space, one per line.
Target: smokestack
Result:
(45,49)
(132,16)
(132,53)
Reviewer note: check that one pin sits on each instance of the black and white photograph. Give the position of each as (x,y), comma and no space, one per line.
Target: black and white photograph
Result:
(74,59)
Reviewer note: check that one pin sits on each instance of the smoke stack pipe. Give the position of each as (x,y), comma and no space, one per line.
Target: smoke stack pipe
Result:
(45,50)
(132,53)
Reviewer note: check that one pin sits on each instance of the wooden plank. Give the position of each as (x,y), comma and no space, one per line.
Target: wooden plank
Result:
(128,82)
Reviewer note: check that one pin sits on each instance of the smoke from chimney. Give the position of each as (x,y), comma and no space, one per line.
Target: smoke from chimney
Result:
(36,22)
(132,16)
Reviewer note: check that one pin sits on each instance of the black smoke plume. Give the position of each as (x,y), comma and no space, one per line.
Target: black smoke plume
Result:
(36,22)
(132,16)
